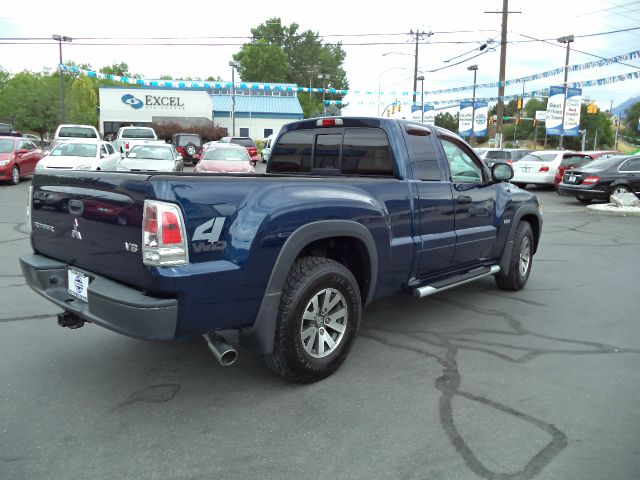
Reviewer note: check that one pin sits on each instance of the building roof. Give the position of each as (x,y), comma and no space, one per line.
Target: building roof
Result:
(257,104)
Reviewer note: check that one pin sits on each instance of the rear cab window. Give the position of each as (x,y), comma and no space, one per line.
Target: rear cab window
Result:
(347,151)
(77,132)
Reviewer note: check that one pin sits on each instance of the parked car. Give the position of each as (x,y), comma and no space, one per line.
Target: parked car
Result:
(188,145)
(129,137)
(601,178)
(247,143)
(18,158)
(579,159)
(225,158)
(350,210)
(152,158)
(80,155)
(266,148)
(504,155)
(35,139)
(538,168)
(71,132)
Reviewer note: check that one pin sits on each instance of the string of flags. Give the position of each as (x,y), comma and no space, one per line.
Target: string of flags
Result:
(179,84)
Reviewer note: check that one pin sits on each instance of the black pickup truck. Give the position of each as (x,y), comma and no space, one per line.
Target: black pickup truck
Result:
(350,210)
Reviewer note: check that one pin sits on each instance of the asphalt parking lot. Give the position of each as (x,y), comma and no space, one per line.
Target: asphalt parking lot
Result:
(472,383)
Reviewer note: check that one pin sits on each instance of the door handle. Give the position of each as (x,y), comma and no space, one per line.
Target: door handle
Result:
(464,199)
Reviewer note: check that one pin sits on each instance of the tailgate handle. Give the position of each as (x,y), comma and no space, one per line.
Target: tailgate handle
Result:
(76,207)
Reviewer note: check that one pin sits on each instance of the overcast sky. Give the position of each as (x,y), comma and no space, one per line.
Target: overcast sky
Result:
(366,65)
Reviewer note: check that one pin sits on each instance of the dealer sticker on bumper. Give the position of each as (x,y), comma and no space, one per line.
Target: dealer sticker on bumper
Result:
(78,283)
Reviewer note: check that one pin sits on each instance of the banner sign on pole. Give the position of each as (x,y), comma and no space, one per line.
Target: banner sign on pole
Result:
(429,115)
(555,103)
(572,112)
(465,124)
(480,119)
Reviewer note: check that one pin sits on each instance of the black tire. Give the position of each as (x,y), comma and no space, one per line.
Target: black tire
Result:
(520,185)
(190,149)
(314,278)
(15,175)
(583,199)
(517,274)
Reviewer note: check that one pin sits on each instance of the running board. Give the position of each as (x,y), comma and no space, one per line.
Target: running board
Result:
(471,276)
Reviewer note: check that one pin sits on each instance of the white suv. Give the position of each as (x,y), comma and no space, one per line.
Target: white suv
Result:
(72,132)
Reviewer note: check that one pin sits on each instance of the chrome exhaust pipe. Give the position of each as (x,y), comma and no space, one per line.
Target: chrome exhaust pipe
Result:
(224,353)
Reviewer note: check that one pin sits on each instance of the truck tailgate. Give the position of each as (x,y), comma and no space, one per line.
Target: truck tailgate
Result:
(91,220)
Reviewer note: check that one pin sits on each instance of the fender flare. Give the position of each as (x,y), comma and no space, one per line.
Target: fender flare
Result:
(508,248)
(259,337)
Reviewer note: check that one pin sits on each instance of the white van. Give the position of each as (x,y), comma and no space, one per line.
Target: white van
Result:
(266,148)
(67,132)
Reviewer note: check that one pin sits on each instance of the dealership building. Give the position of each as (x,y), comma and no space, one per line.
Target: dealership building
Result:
(259,112)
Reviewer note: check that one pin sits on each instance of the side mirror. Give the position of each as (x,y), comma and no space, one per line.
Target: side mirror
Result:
(21,151)
(501,172)
(178,157)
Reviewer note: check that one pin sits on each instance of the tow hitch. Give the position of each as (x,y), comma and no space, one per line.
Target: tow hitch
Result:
(69,320)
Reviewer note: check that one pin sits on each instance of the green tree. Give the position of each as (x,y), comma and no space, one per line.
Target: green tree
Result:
(305,57)
(82,102)
(33,100)
(261,62)
(448,121)
(631,120)
(121,69)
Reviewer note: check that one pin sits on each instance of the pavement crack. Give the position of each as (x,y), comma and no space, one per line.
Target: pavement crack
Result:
(30,317)
(154,394)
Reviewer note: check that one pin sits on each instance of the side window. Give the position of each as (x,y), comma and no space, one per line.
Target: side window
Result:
(28,145)
(292,153)
(103,150)
(22,145)
(423,152)
(110,149)
(631,165)
(463,168)
(366,151)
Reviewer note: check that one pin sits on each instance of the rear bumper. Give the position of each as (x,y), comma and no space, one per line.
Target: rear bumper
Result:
(534,178)
(109,304)
(579,191)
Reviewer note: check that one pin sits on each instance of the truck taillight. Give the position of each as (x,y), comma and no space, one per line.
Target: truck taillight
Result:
(590,180)
(544,168)
(163,235)
(126,145)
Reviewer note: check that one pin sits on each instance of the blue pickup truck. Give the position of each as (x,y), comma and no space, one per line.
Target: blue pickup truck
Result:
(349,210)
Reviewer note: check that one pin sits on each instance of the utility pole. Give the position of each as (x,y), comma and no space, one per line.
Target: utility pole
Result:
(503,64)
(566,39)
(418,36)
(60,39)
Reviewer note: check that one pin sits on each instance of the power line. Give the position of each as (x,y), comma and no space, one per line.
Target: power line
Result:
(579,51)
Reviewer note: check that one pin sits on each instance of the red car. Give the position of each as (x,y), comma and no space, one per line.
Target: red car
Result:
(18,158)
(247,143)
(225,158)
(579,159)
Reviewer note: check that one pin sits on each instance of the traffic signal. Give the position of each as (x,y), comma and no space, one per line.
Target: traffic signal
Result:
(535,122)
(388,112)
(519,103)
(399,106)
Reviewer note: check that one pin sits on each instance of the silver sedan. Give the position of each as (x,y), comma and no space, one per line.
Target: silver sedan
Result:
(152,158)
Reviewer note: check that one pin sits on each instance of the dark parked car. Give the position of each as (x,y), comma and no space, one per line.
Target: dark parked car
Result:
(247,143)
(577,160)
(18,158)
(188,145)
(602,178)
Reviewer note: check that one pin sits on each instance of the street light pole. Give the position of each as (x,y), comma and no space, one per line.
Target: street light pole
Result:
(60,39)
(421,78)
(324,76)
(566,39)
(233,66)
(473,101)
